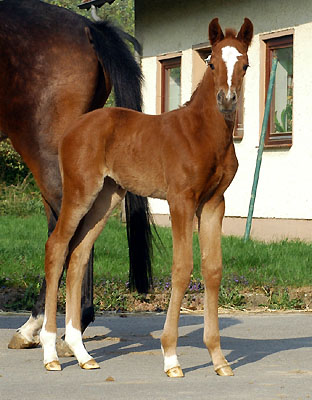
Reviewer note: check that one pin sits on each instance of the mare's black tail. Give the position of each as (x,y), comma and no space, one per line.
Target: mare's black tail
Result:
(125,75)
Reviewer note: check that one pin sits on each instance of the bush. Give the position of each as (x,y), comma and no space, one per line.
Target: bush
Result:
(19,194)
(13,170)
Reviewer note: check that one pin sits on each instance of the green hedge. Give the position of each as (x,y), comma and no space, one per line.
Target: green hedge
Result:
(13,170)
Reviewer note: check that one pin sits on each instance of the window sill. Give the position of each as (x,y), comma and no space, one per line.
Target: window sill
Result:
(282,146)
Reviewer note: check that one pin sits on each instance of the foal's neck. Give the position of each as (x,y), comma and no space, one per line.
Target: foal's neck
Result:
(204,100)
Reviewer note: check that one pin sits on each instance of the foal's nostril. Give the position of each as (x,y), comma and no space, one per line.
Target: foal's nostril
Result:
(234,97)
(220,96)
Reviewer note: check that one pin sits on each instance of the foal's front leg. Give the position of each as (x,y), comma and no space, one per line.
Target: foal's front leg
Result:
(182,215)
(210,225)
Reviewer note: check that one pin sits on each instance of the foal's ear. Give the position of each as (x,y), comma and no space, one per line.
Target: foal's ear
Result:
(215,32)
(246,32)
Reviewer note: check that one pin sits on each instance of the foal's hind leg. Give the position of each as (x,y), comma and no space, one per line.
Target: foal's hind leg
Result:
(210,225)
(76,202)
(91,226)
(182,215)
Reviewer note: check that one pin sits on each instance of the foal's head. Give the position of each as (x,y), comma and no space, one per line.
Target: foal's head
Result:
(229,62)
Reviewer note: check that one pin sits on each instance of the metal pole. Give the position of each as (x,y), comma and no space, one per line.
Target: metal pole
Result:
(260,149)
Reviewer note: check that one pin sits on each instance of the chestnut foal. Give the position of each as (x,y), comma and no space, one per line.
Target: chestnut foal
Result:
(185,156)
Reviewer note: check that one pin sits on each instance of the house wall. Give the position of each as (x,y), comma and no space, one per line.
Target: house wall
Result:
(285,189)
(163,26)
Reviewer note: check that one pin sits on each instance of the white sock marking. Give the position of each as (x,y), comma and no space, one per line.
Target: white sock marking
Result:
(229,56)
(47,340)
(170,361)
(73,338)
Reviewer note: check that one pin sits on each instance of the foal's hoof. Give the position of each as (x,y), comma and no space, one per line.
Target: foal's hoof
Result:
(53,366)
(91,364)
(224,370)
(18,341)
(175,372)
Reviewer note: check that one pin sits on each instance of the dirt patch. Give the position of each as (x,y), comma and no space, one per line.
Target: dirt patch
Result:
(9,297)
(292,298)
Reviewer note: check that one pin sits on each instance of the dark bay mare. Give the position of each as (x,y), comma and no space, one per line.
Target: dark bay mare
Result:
(185,156)
(55,66)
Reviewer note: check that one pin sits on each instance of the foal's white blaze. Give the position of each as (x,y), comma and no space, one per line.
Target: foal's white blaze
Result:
(47,340)
(73,338)
(229,56)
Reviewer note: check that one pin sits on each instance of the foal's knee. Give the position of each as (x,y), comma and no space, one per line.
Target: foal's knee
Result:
(181,276)
(212,273)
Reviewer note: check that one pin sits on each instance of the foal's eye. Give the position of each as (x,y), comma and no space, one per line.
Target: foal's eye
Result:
(211,66)
(245,67)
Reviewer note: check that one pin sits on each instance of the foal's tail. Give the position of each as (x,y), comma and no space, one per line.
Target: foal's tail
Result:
(125,76)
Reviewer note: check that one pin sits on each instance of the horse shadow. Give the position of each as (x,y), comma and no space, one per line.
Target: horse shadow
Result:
(142,334)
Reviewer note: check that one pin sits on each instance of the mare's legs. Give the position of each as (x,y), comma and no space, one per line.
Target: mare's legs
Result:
(210,225)
(182,214)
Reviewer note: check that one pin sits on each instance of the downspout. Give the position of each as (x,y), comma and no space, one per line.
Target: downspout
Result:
(260,149)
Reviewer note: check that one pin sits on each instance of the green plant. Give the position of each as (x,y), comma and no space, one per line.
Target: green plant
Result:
(280,300)
(21,199)
(285,125)
(111,295)
(13,170)
(230,297)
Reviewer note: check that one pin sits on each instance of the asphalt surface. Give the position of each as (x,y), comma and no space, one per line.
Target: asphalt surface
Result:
(271,355)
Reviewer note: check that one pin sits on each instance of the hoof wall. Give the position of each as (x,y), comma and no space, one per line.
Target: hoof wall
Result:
(53,366)
(91,364)
(175,372)
(224,370)
(19,342)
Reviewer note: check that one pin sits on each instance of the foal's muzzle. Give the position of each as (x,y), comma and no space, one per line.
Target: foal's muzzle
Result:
(227,102)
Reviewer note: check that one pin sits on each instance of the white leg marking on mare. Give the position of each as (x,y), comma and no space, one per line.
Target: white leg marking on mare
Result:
(170,361)
(73,338)
(47,340)
(31,328)
(229,56)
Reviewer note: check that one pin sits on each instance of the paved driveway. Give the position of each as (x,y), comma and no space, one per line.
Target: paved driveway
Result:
(271,355)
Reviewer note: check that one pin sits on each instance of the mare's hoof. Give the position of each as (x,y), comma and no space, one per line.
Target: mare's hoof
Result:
(224,370)
(18,341)
(53,366)
(91,364)
(175,372)
(62,348)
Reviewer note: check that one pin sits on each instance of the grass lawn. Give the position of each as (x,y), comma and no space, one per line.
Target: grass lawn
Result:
(247,266)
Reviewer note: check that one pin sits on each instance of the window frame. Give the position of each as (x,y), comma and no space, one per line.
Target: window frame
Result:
(271,44)
(166,64)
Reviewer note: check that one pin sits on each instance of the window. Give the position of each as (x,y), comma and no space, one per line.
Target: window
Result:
(279,131)
(170,84)
(238,132)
